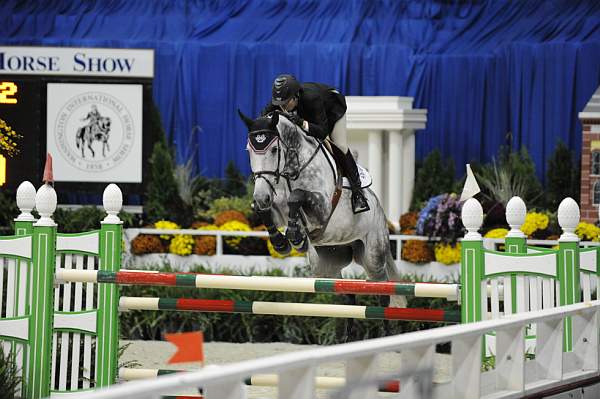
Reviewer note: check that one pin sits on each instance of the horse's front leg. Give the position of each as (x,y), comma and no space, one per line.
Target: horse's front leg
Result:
(280,243)
(294,233)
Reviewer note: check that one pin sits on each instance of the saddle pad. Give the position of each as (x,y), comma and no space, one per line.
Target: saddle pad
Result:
(365,178)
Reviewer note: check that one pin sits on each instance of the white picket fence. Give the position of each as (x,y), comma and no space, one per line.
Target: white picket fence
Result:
(514,374)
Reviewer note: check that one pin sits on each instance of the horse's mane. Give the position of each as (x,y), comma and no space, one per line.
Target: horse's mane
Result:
(294,139)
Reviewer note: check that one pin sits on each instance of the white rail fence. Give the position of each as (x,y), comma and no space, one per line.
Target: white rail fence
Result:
(489,243)
(514,375)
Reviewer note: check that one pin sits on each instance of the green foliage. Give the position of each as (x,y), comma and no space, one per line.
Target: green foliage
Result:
(85,218)
(162,196)
(9,378)
(241,204)
(216,195)
(513,174)
(435,176)
(563,176)
(262,328)
(8,211)
(235,182)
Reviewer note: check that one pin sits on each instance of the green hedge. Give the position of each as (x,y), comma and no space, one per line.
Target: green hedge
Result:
(151,325)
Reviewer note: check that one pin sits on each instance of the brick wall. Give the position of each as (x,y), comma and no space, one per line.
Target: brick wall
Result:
(589,212)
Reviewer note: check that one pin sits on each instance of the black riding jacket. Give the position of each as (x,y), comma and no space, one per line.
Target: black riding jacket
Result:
(320,105)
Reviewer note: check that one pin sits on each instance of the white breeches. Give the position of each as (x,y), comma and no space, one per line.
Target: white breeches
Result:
(339,135)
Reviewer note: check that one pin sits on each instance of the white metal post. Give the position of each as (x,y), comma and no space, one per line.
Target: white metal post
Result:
(297,384)
(359,369)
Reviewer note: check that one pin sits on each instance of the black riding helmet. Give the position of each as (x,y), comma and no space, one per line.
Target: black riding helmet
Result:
(284,88)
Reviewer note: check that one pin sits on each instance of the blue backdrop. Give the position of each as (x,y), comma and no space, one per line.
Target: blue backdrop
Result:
(481,68)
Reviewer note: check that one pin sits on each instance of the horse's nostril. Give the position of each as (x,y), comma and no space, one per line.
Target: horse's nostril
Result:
(263,201)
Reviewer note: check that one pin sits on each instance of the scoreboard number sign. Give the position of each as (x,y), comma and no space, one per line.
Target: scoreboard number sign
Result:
(7,92)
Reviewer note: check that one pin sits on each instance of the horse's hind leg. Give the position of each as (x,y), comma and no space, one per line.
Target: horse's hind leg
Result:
(374,255)
(329,262)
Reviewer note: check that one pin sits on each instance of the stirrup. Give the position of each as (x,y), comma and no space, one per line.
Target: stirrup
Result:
(359,202)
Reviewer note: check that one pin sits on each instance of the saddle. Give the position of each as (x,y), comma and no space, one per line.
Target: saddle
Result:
(337,158)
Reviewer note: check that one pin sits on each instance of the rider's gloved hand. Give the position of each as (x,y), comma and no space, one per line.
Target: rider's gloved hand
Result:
(296,119)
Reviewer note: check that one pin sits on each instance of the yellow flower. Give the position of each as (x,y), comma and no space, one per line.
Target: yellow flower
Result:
(534,221)
(182,244)
(496,233)
(447,254)
(166,225)
(234,225)
(588,232)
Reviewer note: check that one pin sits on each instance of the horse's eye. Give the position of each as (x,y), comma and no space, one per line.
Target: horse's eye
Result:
(274,150)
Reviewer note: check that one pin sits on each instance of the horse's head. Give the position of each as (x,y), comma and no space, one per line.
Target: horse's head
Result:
(104,123)
(266,156)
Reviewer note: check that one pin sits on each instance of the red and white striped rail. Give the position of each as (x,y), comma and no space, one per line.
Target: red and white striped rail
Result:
(261,283)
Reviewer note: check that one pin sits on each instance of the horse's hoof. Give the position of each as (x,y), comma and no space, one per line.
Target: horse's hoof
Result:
(301,247)
(284,249)
(281,244)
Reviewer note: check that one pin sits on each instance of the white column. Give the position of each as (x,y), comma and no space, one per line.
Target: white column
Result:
(395,180)
(376,161)
(408,168)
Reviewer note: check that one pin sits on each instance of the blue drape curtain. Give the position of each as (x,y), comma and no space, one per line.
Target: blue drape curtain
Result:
(489,72)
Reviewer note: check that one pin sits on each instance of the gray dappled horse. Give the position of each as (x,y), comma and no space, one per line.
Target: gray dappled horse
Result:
(97,131)
(296,179)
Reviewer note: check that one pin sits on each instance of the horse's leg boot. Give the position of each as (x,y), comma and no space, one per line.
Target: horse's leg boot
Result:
(359,202)
(280,243)
(294,232)
(296,237)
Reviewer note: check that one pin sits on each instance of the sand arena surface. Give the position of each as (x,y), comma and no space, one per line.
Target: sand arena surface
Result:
(154,354)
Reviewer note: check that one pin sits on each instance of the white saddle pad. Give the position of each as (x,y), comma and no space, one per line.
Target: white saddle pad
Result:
(365,178)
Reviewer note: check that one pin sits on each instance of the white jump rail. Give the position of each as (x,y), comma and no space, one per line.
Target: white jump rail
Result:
(513,376)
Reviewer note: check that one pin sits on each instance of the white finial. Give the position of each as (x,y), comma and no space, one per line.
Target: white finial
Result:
(568,219)
(113,202)
(45,203)
(515,216)
(25,202)
(472,218)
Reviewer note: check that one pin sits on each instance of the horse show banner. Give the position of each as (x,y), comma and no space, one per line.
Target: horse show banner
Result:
(78,61)
(94,132)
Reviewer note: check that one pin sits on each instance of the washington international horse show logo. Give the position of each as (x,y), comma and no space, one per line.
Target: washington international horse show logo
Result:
(94,131)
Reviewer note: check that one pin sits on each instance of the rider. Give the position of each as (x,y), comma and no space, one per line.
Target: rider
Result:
(93,116)
(320,110)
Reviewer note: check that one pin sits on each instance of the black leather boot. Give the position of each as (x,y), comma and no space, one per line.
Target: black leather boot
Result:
(359,202)
(280,243)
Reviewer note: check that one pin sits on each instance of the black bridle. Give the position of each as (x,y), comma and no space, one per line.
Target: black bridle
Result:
(277,172)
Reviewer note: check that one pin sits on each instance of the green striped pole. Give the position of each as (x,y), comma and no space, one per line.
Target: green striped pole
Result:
(107,340)
(289,309)
(568,263)
(262,283)
(42,312)
(471,263)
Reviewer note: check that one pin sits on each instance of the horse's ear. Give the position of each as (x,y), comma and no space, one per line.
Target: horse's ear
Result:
(247,121)
(274,120)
